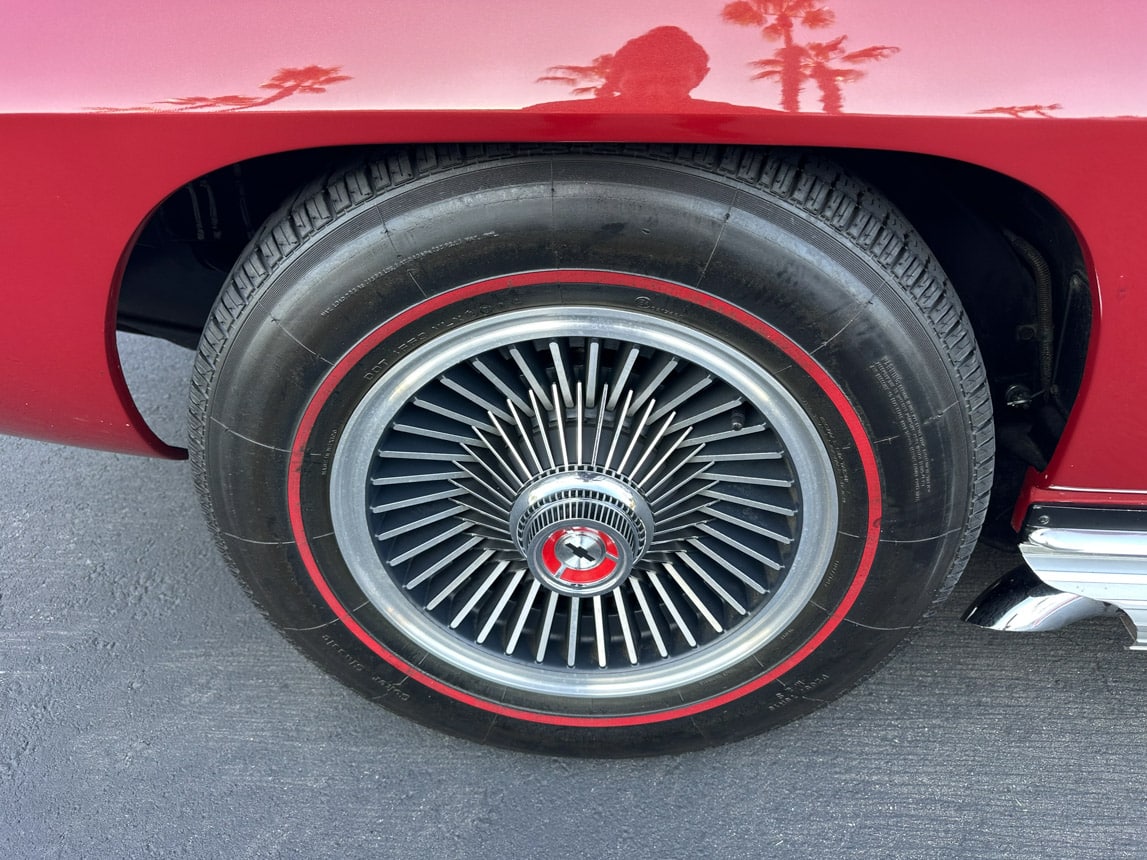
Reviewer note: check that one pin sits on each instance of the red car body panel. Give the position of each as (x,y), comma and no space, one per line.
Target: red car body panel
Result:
(110,107)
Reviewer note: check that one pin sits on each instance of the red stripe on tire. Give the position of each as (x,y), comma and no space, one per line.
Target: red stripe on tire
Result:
(798,356)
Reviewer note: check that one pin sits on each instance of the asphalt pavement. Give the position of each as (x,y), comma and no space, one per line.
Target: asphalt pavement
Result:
(147,710)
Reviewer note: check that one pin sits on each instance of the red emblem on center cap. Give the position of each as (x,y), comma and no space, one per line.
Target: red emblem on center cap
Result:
(580,555)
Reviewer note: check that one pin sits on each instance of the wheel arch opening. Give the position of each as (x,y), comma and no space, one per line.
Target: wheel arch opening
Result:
(1012,255)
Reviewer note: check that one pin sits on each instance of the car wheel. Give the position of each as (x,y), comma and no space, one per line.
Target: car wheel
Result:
(603,451)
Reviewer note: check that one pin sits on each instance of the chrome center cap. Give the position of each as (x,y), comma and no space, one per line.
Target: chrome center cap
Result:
(581,548)
(582,532)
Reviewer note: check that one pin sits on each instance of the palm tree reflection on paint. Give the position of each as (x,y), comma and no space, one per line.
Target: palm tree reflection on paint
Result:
(656,70)
(816,63)
(1019,111)
(794,63)
(582,80)
(777,20)
(283,84)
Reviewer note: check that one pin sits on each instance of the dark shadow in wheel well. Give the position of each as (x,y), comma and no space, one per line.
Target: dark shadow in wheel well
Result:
(191,241)
(1012,256)
(1019,271)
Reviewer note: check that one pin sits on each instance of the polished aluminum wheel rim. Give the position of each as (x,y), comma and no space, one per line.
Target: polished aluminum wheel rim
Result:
(584,502)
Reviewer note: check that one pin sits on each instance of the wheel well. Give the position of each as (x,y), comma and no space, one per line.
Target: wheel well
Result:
(1018,268)
(1012,256)
(190,242)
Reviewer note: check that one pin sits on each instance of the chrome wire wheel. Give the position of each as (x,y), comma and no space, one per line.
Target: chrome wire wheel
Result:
(583,501)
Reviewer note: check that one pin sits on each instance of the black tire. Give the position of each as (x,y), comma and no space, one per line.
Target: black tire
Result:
(782,313)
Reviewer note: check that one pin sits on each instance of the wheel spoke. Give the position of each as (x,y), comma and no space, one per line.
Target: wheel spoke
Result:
(738,545)
(486,492)
(654,375)
(670,451)
(572,633)
(748,502)
(721,435)
(543,431)
(496,375)
(487,405)
(579,438)
(547,627)
(444,562)
(755,528)
(532,372)
(626,629)
(636,436)
(507,471)
(668,602)
(617,429)
(499,607)
(493,473)
(650,619)
(423,478)
(527,442)
(686,392)
(706,407)
(712,583)
(599,630)
(727,477)
(440,538)
(597,431)
(697,496)
(559,353)
(417,500)
(453,415)
(561,429)
(466,573)
(620,377)
(735,456)
(395,454)
(515,457)
(523,614)
(592,366)
(652,446)
(692,597)
(430,519)
(728,566)
(652,492)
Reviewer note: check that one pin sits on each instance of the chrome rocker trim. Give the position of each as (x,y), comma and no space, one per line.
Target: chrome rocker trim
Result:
(1108,567)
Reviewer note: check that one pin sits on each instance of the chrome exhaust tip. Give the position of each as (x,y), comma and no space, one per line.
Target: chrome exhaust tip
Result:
(1081,562)
(1021,602)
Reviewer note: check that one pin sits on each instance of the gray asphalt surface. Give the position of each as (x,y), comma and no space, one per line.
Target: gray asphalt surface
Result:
(146,710)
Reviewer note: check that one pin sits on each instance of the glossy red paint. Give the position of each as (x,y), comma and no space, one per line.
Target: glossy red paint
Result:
(953,58)
(111,106)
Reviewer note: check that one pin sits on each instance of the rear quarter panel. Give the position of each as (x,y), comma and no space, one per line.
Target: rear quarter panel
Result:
(106,108)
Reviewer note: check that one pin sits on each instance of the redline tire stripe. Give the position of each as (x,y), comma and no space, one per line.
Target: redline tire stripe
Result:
(696,297)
